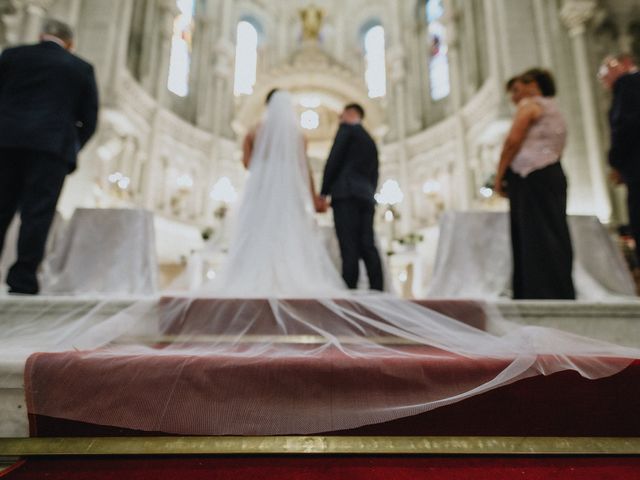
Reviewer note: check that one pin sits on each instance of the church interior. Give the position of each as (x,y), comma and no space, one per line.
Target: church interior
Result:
(182,82)
(151,208)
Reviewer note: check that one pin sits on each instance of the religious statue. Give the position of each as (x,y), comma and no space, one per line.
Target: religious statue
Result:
(311,22)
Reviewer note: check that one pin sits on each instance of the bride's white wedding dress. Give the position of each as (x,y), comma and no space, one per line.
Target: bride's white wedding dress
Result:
(275,248)
(306,356)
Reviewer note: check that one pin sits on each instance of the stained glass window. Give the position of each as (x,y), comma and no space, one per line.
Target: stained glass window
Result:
(438,51)
(181,44)
(375,74)
(246,58)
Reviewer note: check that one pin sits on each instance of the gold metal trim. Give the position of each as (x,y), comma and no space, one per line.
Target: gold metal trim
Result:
(291,339)
(320,445)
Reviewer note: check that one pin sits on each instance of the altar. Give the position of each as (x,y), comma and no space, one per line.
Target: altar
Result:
(98,251)
(473,259)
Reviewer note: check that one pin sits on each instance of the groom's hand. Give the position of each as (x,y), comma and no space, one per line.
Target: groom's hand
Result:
(321,204)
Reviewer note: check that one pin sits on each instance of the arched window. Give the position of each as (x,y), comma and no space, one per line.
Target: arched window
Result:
(438,51)
(375,74)
(180,60)
(246,58)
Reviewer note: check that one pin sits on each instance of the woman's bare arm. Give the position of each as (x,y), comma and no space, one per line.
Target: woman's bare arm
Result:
(247,148)
(527,113)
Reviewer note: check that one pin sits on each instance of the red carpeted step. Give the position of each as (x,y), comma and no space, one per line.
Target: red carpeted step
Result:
(562,404)
(178,316)
(323,467)
(298,389)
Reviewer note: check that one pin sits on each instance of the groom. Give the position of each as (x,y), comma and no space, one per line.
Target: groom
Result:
(48,111)
(351,178)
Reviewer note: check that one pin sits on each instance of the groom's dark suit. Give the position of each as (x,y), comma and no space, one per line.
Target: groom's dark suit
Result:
(351,178)
(48,111)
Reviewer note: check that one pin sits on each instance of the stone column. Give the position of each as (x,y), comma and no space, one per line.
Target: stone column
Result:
(544,36)
(66,10)
(492,41)
(223,70)
(118,60)
(397,86)
(396,78)
(35,13)
(227,25)
(456,95)
(469,46)
(149,53)
(340,45)
(209,178)
(168,13)
(416,52)
(9,22)
(73,13)
(154,173)
(575,14)
(423,66)
(499,8)
(223,96)
(202,73)
(283,35)
(126,158)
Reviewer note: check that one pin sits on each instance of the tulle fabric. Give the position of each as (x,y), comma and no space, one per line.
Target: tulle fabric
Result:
(276,344)
(276,248)
(300,366)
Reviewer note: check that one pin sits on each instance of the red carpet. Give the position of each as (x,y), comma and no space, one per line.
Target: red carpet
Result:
(179,315)
(79,393)
(312,468)
(298,388)
(562,404)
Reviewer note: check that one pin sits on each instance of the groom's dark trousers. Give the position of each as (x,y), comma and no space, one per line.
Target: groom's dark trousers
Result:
(30,182)
(353,220)
(351,177)
(48,111)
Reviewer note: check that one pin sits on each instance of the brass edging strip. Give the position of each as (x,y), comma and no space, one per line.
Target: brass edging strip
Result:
(320,445)
(248,339)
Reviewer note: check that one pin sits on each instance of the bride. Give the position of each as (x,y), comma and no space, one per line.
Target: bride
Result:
(276,248)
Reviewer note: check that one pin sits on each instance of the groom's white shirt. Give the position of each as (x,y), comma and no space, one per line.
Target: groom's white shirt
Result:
(51,38)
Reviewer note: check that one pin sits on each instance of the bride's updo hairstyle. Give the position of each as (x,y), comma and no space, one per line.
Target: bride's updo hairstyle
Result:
(270,94)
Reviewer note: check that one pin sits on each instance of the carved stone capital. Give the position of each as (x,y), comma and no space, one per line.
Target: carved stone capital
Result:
(168,12)
(225,47)
(169,6)
(33,6)
(205,21)
(9,7)
(576,13)
(222,58)
(395,58)
(450,20)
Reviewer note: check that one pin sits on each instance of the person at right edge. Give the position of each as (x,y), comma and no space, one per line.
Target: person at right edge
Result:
(620,75)
(351,178)
(537,191)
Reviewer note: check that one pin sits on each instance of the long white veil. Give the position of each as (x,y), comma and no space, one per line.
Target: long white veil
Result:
(275,248)
(276,345)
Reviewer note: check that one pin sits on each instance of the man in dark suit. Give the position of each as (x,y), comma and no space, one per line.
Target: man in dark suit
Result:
(351,178)
(48,111)
(621,76)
